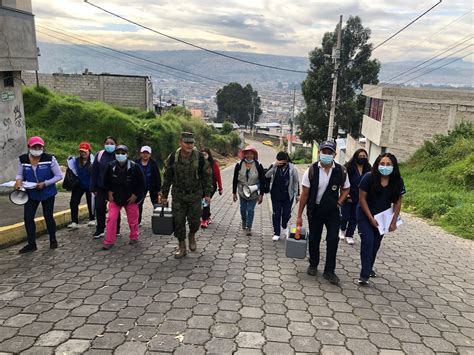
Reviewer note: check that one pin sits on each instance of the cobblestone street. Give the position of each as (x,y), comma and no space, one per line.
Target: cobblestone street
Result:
(236,294)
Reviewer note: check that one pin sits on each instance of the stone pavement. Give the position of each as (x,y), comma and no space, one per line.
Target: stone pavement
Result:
(236,294)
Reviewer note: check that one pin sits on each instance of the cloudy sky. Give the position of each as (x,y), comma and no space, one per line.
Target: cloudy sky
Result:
(262,26)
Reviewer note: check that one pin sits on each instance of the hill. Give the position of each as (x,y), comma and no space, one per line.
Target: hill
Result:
(440,181)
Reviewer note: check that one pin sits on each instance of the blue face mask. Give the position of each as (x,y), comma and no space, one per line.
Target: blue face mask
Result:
(385,170)
(326,159)
(109,148)
(121,157)
(249,161)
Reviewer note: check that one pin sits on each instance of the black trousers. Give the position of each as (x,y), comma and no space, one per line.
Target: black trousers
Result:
(76,196)
(30,209)
(153,199)
(206,211)
(316,223)
(101,209)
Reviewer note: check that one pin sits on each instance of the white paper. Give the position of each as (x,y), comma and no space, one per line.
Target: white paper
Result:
(384,219)
(26,184)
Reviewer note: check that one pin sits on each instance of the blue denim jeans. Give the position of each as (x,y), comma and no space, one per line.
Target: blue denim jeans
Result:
(247,211)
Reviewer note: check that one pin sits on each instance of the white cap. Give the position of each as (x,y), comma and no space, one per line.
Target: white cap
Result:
(145,148)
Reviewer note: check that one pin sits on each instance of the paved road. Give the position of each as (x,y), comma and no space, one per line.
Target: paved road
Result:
(236,294)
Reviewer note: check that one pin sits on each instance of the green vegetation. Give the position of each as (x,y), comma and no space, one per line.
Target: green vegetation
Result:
(65,121)
(301,156)
(440,181)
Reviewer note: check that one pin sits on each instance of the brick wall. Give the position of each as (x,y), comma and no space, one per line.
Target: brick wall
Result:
(126,91)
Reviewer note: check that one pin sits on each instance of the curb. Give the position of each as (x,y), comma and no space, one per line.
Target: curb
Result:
(15,233)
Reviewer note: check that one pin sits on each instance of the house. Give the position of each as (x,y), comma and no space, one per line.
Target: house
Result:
(18,52)
(399,119)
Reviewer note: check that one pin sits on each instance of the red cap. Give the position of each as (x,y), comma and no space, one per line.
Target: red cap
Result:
(84,146)
(35,141)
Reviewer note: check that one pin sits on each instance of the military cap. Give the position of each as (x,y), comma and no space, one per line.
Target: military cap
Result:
(187,137)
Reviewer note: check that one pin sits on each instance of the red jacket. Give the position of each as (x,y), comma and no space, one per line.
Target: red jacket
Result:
(216,172)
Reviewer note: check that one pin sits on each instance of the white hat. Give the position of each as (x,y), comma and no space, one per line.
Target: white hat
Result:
(145,148)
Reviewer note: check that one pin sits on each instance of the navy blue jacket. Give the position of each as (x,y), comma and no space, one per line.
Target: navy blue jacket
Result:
(101,162)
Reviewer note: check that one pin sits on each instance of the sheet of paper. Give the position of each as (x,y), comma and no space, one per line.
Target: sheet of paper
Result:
(384,219)
(26,184)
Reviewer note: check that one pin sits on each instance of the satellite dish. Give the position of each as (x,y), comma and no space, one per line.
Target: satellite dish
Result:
(19,197)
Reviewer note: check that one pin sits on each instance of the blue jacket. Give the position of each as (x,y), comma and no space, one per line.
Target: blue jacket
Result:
(43,172)
(82,172)
(99,167)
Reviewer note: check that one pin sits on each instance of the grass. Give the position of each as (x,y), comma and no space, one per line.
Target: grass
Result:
(64,121)
(440,181)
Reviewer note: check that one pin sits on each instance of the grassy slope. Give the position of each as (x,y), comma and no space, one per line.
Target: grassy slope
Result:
(440,181)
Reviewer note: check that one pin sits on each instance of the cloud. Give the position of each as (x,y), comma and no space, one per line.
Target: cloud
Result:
(265,26)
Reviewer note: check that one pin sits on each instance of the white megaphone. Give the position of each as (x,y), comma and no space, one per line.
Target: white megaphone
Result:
(19,197)
(248,190)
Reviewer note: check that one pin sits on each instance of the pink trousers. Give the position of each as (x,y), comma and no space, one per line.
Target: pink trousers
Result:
(132,218)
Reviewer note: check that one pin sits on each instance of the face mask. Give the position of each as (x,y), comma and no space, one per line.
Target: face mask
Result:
(109,148)
(36,152)
(385,170)
(121,157)
(326,159)
(249,161)
(361,161)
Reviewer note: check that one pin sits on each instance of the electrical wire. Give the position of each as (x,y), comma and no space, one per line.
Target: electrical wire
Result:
(192,44)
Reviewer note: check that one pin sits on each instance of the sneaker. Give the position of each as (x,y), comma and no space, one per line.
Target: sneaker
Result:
(98,234)
(248,231)
(276,238)
(204,224)
(107,246)
(53,244)
(363,281)
(350,240)
(133,242)
(244,224)
(312,270)
(140,224)
(28,248)
(284,232)
(331,277)
(373,274)
(91,223)
(342,235)
(209,221)
(119,235)
(73,225)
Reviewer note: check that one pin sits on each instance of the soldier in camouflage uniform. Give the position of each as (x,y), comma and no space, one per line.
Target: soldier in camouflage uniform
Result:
(190,175)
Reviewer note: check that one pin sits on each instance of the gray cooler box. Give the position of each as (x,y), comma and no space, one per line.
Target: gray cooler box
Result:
(296,248)
(162,221)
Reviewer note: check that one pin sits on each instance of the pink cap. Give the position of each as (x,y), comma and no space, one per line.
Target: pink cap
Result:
(35,140)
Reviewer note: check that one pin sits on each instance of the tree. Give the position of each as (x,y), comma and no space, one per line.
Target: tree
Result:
(236,103)
(356,69)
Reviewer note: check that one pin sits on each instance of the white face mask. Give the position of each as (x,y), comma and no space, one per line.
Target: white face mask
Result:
(36,152)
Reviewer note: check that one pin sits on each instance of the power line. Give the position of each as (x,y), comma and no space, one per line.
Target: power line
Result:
(408,25)
(194,45)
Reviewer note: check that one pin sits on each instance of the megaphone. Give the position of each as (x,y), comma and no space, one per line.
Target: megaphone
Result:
(19,197)
(248,190)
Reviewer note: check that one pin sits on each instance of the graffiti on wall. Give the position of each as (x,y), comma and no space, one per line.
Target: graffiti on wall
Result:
(17,120)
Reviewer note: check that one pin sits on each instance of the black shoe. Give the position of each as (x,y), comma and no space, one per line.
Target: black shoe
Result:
(373,274)
(53,244)
(244,224)
(98,234)
(363,281)
(312,270)
(133,242)
(28,248)
(107,246)
(248,231)
(331,277)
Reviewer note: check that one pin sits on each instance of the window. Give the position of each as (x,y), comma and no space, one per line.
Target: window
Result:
(374,108)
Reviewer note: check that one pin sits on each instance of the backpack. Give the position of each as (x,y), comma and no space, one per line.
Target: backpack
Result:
(200,164)
(70,180)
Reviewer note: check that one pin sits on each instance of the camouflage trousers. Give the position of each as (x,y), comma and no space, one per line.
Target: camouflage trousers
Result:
(186,208)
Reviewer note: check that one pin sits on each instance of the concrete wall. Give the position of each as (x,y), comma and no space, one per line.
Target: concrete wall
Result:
(12,127)
(126,91)
(18,50)
(411,116)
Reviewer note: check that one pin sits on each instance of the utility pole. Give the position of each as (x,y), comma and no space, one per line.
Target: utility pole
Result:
(253,115)
(290,141)
(36,71)
(336,55)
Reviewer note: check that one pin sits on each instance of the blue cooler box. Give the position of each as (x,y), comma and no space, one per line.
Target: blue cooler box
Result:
(296,248)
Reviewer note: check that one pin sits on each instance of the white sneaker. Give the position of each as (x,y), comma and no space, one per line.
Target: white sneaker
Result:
(140,224)
(91,223)
(342,235)
(73,225)
(275,238)
(284,232)
(350,240)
